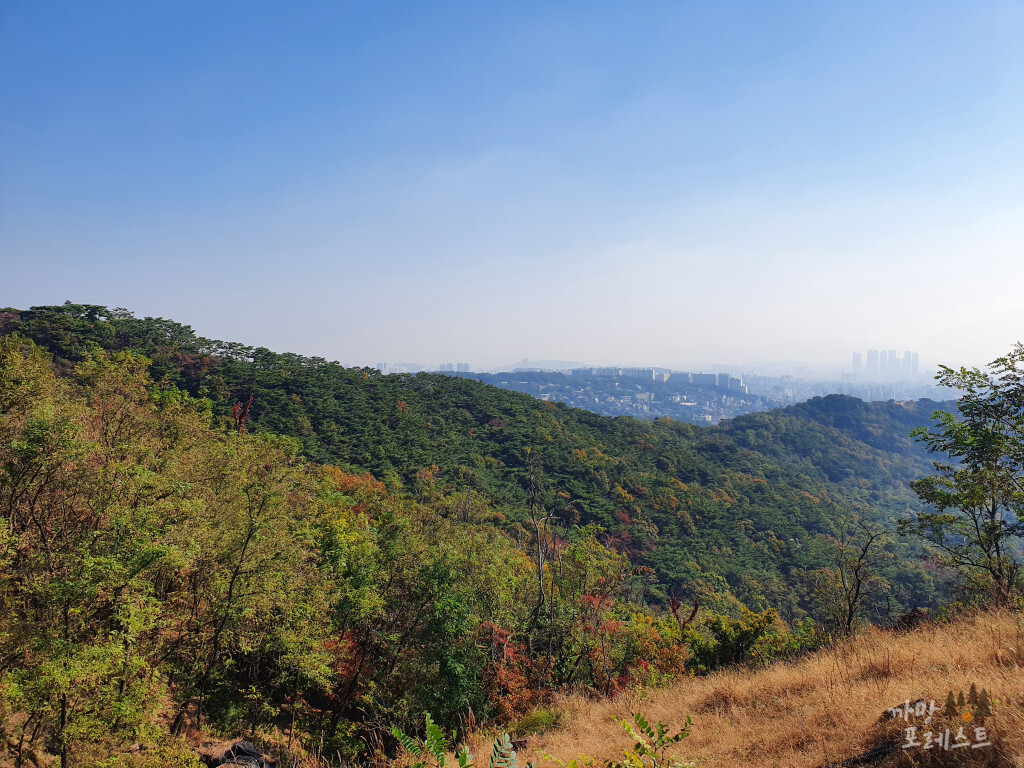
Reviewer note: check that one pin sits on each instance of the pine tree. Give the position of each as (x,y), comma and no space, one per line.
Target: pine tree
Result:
(984,708)
(950,709)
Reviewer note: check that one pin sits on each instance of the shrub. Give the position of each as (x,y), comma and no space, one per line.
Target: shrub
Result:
(803,637)
(731,641)
(651,744)
(537,721)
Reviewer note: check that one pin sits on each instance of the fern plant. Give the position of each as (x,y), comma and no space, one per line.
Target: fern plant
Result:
(432,750)
(651,744)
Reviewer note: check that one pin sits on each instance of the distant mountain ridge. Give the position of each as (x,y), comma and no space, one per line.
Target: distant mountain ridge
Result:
(527,364)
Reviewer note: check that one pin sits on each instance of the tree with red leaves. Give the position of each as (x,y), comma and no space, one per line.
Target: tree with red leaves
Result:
(241,414)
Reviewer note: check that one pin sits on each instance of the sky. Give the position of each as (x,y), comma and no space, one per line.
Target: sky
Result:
(648,183)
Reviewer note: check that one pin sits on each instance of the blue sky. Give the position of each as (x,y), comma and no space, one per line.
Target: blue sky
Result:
(645,183)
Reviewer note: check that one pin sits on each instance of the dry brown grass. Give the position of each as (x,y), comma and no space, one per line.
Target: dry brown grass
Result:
(823,708)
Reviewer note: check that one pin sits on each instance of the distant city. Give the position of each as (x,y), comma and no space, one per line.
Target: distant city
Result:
(700,397)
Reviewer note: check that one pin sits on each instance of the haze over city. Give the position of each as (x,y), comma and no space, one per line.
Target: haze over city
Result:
(673,185)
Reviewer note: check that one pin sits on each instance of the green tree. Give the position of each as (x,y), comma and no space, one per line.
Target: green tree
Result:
(723,641)
(145,558)
(977,491)
(841,590)
(79,529)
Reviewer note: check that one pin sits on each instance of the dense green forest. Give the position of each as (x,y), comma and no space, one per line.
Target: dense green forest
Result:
(726,512)
(199,531)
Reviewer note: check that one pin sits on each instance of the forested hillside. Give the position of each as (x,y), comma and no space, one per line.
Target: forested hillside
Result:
(158,577)
(865,449)
(728,513)
(200,532)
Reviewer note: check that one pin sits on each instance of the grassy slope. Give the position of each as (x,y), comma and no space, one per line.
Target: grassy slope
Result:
(823,708)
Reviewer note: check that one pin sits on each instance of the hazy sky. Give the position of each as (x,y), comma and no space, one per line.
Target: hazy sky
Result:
(657,183)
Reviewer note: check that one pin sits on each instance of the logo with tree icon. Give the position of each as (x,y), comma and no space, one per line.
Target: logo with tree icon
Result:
(972,707)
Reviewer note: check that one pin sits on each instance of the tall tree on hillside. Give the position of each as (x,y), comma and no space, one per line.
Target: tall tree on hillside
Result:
(841,590)
(977,492)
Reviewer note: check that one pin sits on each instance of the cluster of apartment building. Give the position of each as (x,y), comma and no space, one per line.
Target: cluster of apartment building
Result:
(886,365)
(720,380)
(415,368)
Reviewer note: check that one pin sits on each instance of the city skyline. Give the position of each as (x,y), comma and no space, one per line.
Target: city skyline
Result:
(885,365)
(907,364)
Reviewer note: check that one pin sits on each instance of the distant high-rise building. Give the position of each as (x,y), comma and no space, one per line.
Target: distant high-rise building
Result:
(732,382)
(873,364)
(892,366)
(913,363)
(856,362)
(907,365)
(464,367)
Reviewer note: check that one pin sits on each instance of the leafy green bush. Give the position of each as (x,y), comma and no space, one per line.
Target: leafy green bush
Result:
(651,744)
(726,641)
(803,637)
(172,753)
